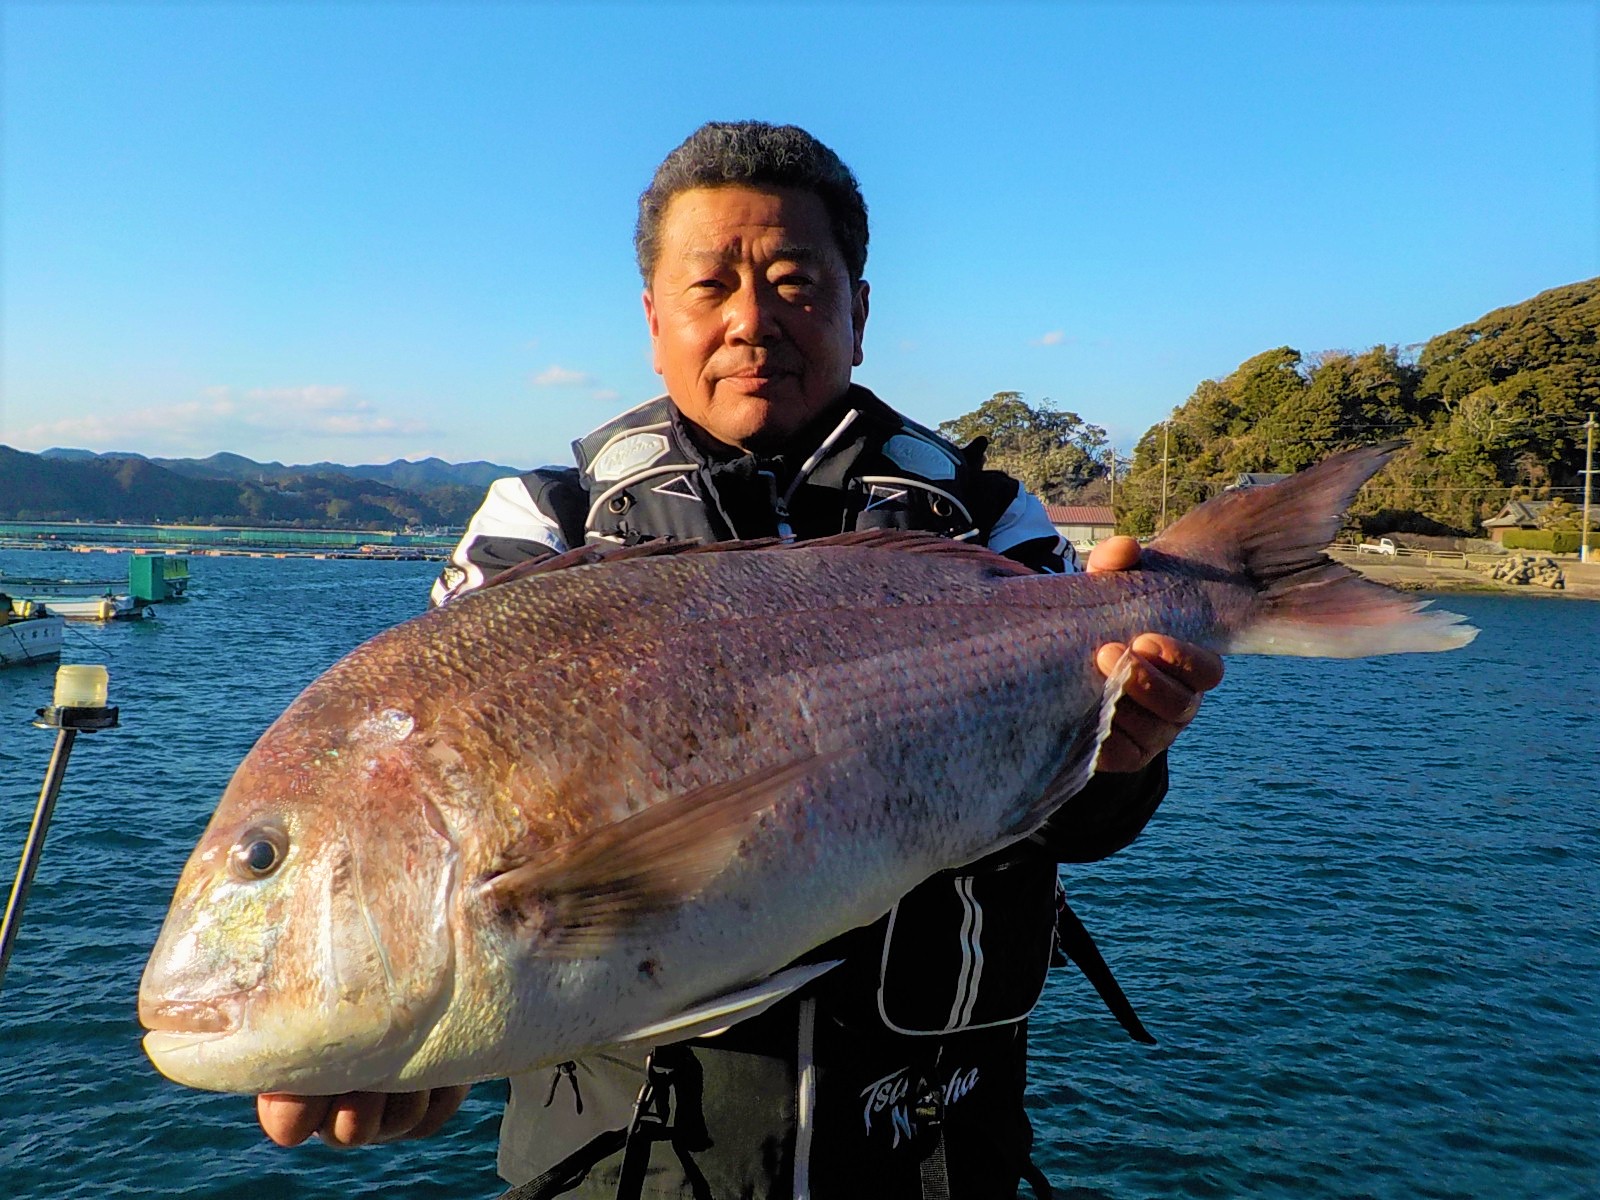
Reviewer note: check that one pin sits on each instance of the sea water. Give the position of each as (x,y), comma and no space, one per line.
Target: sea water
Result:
(1363,925)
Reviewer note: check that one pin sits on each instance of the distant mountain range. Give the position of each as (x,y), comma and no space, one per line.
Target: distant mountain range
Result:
(229,489)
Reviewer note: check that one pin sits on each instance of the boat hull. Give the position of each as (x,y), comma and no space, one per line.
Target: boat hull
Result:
(31,639)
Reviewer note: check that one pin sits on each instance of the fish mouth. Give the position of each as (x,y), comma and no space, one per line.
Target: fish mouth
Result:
(162,1044)
(204,1020)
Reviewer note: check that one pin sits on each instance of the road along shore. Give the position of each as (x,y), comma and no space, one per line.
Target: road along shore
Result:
(1419,575)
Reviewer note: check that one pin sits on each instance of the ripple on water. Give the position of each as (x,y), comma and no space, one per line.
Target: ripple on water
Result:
(1362,925)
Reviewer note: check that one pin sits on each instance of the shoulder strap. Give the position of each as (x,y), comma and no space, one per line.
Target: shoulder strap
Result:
(1075,942)
(571,1170)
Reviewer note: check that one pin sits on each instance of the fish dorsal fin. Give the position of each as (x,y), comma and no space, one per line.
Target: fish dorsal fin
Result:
(578,897)
(717,1014)
(912,541)
(900,541)
(586,556)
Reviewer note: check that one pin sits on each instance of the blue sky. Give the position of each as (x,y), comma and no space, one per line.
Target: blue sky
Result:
(365,231)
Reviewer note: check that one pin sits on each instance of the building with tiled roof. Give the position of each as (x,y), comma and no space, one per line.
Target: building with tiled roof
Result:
(1082,524)
(1517,514)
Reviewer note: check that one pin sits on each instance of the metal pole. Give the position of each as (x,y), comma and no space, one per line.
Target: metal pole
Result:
(1166,432)
(1588,478)
(35,845)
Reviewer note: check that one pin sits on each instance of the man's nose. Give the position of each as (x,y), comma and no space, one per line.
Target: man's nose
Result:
(750,316)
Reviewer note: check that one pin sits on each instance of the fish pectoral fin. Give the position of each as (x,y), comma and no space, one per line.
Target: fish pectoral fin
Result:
(720,1012)
(1079,766)
(581,895)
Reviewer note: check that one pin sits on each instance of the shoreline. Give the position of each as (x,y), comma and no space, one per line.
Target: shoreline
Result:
(1583,579)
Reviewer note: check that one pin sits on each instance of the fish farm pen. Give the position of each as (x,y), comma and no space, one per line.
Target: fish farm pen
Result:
(86,537)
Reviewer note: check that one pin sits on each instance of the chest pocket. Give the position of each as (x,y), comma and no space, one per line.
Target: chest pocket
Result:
(892,502)
(969,950)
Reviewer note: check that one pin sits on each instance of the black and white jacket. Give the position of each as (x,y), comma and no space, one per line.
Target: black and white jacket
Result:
(964,956)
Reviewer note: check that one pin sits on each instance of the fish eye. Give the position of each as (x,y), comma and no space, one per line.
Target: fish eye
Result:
(259,853)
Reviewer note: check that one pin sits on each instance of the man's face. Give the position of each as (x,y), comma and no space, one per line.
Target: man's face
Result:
(753,321)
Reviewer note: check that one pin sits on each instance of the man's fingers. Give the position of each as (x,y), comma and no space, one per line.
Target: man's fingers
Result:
(1148,686)
(401,1113)
(1195,667)
(357,1118)
(1114,554)
(290,1120)
(442,1105)
(1158,693)
(1162,694)
(1134,740)
(353,1120)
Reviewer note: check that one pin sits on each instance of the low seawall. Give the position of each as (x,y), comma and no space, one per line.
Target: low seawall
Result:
(1418,573)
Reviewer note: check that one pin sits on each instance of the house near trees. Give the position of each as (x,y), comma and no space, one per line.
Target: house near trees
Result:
(1082,524)
(1517,514)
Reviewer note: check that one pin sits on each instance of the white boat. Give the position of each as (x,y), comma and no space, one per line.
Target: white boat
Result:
(28,632)
(78,599)
(108,607)
(151,578)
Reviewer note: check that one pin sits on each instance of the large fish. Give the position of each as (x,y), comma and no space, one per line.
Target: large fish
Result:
(611,803)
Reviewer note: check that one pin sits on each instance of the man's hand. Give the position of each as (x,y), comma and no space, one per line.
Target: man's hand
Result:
(357,1118)
(1168,679)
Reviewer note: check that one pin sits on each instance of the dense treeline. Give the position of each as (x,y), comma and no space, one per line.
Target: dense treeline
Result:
(1491,411)
(1056,455)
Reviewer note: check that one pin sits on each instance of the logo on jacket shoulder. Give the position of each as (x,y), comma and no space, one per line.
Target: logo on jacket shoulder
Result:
(920,456)
(626,455)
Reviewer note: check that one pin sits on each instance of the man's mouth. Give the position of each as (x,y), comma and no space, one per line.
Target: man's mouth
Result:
(755,378)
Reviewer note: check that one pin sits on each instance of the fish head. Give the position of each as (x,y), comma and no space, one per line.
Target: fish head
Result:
(308,946)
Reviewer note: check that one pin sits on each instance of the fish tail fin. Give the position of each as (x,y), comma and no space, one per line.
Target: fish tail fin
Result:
(1308,604)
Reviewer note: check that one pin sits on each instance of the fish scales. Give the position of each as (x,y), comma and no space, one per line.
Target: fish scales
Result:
(616,799)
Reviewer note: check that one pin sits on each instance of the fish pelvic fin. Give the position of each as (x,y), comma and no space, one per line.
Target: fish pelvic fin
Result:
(717,1014)
(1307,604)
(579,897)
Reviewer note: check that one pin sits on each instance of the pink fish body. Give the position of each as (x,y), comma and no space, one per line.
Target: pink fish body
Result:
(611,803)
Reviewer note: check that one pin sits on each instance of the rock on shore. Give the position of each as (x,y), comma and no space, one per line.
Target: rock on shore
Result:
(1526,569)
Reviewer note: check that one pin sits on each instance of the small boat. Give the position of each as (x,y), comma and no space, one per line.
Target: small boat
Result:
(90,607)
(29,632)
(151,579)
(78,599)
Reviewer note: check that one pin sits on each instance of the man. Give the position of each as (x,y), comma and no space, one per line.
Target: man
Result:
(901,1072)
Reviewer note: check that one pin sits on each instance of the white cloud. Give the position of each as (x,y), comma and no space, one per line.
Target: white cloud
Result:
(318,409)
(312,398)
(1054,338)
(605,395)
(223,418)
(559,376)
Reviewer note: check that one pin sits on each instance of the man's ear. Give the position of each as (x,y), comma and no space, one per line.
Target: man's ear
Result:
(653,323)
(858,317)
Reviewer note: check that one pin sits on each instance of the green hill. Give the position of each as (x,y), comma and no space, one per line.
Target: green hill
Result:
(1491,411)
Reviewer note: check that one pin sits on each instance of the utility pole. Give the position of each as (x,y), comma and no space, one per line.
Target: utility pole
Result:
(1111,456)
(1588,478)
(1166,435)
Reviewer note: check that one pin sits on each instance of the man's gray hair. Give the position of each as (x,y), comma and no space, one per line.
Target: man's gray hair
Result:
(724,153)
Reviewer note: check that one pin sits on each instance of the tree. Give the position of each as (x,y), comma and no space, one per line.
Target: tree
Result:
(1052,453)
